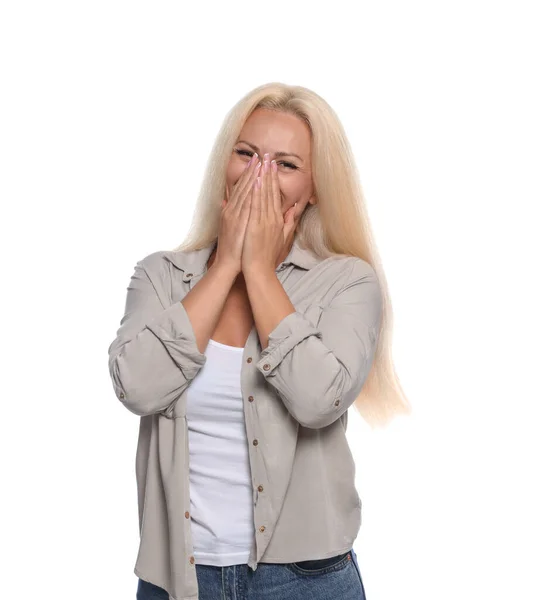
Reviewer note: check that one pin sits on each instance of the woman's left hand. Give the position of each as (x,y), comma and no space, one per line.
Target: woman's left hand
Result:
(268,232)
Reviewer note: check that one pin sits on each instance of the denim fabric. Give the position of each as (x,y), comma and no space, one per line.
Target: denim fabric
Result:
(335,577)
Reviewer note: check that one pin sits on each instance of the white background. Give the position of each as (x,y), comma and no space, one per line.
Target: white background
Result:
(108,112)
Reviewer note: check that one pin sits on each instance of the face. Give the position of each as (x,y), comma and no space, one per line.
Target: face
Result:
(287,140)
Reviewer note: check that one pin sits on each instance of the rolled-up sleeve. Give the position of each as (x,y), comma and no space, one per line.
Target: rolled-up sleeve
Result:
(319,369)
(154,356)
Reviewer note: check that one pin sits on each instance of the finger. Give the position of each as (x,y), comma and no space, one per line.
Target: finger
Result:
(244,208)
(245,182)
(255,208)
(290,224)
(269,193)
(275,189)
(301,204)
(247,178)
(264,208)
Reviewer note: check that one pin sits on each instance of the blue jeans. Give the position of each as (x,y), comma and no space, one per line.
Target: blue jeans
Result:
(335,577)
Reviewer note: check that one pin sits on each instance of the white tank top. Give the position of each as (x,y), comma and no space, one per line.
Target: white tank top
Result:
(221,492)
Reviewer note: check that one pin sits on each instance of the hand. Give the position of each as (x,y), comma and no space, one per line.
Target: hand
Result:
(234,218)
(268,232)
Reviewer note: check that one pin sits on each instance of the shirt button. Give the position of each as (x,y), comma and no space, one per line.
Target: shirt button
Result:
(249,359)
(266,367)
(255,442)
(191,560)
(187,514)
(337,403)
(262,528)
(189,274)
(122,395)
(251,398)
(260,488)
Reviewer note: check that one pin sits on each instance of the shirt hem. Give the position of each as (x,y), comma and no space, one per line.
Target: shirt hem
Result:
(141,576)
(282,561)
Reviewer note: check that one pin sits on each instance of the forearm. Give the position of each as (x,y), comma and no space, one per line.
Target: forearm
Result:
(205,302)
(319,356)
(269,301)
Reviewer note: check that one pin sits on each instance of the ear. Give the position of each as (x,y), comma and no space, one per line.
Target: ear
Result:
(313,199)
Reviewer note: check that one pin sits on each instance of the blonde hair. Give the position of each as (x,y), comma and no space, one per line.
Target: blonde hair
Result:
(337,224)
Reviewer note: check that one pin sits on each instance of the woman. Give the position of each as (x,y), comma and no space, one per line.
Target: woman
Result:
(242,351)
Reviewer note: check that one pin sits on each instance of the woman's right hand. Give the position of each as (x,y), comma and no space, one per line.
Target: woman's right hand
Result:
(234,219)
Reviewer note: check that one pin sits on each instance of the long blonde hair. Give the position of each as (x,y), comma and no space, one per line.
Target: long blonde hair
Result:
(337,224)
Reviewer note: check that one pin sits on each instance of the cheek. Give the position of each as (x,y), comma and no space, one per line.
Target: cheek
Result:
(233,172)
(292,189)
(235,169)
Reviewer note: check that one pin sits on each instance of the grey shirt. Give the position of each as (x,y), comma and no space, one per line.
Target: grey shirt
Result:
(296,394)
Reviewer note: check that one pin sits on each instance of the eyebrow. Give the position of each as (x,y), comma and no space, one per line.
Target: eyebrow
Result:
(277,154)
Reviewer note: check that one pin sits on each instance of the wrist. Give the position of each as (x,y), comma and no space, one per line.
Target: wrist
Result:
(225,270)
(258,270)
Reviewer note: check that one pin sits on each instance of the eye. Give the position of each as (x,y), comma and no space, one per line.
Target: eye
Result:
(284,163)
(244,152)
(288,165)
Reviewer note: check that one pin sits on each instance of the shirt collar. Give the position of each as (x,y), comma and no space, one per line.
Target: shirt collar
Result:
(193,262)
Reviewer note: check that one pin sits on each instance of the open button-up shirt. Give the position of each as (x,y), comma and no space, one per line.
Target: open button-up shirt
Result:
(296,395)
